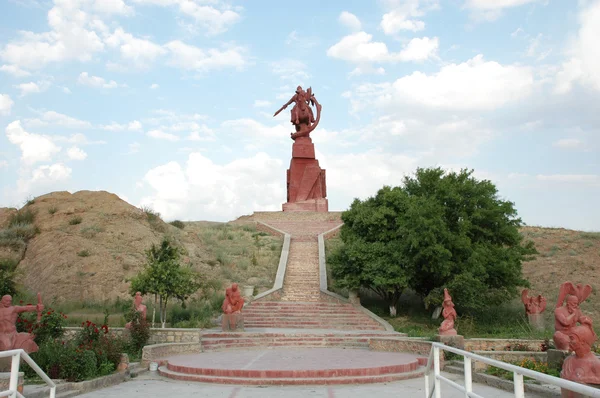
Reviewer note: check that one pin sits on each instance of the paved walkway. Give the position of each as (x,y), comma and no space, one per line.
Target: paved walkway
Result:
(151,385)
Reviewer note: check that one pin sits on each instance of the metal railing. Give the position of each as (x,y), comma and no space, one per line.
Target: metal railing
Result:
(518,373)
(14,373)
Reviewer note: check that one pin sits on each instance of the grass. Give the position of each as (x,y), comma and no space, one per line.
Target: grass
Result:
(23,216)
(84,253)
(76,220)
(52,210)
(590,235)
(154,219)
(20,229)
(91,231)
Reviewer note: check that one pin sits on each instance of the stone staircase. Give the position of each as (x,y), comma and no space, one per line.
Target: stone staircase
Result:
(307,315)
(302,305)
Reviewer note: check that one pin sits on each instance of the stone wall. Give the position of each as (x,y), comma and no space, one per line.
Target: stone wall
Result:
(502,344)
(420,347)
(157,335)
(152,353)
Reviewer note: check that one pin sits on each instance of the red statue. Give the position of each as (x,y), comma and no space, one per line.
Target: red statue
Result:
(139,307)
(567,317)
(533,305)
(306,188)
(582,366)
(449,314)
(10,339)
(234,302)
(302,116)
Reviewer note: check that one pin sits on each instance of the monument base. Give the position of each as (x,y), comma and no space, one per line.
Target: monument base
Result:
(536,321)
(571,394)
(232,322)
(320,205)
(456,341)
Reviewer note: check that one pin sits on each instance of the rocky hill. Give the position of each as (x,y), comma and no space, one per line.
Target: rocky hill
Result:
(89,243)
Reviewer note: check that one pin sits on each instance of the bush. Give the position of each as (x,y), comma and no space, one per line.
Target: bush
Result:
(139,332)
(7,276)
(75,220)
(52,210)
(50,327)
(23,216)
(178,224)
(83,253)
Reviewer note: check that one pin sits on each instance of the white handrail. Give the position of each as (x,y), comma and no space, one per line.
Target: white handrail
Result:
(518,372)
(14,373)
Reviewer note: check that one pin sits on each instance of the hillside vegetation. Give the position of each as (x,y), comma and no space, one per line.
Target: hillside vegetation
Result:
(85,246)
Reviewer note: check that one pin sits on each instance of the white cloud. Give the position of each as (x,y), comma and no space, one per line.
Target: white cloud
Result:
(262,103)
(76,153)
(34,147)
(97,82)
(360,48)
(14,70)
(154,86)
(134,147)
(291,70)
(131,126)
(473,85)
(213,20)
(112,7)
(349,20)
(365,70)
(201,189)
(490,10)
(51,173)
(161,135)
(57,119)
(190,57)
(584,64)
(6,104)
(3,164)
(67,90)
(404,15)
(568,143)
(138,52)
(252,128)
(32,87)
(70,38)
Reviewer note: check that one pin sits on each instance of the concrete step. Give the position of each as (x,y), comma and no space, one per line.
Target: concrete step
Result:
(164,371)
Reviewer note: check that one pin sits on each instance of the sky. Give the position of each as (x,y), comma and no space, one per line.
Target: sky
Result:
(169,103)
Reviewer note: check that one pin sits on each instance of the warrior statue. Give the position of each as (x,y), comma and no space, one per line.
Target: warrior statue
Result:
(302,116)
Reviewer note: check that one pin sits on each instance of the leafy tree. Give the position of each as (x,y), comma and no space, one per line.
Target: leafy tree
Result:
(438,230)
(165,277)
(7,277)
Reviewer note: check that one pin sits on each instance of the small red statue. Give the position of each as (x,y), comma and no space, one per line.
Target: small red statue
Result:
(449,314)
(234,302)
(533,305)
(139,307)
(567,317)
(582,366)
(10,339)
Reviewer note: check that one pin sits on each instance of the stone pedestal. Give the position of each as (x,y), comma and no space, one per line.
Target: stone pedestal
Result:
(5,381)
(556,358)
(536,321)
(232,322)
(456,341)
(306,186)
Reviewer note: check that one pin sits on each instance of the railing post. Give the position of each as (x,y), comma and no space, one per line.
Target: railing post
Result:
(14,375)
(468,377)
(519,386)
(436,372)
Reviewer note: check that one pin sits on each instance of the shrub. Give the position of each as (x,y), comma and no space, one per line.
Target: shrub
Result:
(154,219)
(83,253)
(52,210)
(139,332)
(7,276)
(178,224)
(75,220)
(50,327)
(23,216)
(91,230)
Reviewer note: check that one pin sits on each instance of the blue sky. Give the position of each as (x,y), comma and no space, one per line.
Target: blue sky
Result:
(169,103)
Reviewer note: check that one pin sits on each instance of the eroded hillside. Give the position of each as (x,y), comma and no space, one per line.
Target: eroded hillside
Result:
(88,244)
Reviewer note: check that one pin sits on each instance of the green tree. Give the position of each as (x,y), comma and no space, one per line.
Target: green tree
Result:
(7,277)
(165,277)
(438,230)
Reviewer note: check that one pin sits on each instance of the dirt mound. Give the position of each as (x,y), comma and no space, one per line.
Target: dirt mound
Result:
(88,244)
